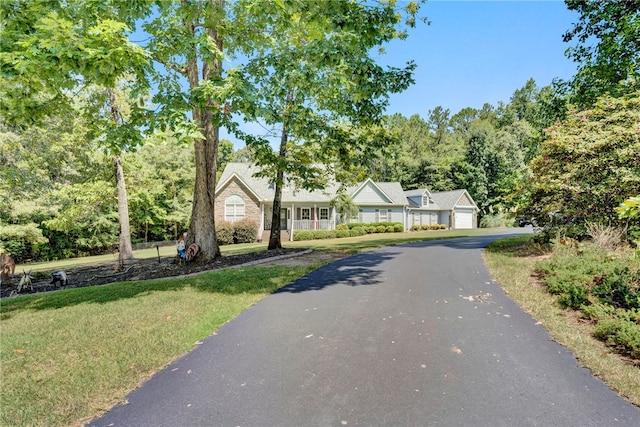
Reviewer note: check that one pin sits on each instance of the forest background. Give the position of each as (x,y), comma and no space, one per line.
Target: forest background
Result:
(529,156)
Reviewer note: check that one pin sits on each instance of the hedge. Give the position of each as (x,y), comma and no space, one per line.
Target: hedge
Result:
(228,233)
(349,230)
(418,227)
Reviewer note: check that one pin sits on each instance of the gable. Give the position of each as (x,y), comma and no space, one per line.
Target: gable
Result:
(464,200)
(235,186)
(370,194)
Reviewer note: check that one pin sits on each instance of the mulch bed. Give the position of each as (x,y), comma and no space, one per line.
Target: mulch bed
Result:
(136,269)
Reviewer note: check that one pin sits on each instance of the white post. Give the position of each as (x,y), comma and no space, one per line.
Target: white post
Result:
(293,221)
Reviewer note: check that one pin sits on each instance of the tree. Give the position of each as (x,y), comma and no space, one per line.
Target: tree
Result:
(345,207)
(588,165)
(187,43)
(50,49)
(607,49)
(310,73)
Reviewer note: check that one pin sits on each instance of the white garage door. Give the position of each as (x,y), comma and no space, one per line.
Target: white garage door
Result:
(464,218)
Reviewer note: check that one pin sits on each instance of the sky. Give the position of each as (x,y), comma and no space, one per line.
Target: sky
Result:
(477,52)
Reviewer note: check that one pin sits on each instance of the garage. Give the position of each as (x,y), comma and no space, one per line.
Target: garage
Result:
(464,218)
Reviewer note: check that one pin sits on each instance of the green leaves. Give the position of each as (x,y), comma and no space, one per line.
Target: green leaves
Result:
(608,48)
(630,208)
(589,165)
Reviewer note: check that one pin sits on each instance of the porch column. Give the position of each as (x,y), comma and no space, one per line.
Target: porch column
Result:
(261,219)
(293,220)
(334,215)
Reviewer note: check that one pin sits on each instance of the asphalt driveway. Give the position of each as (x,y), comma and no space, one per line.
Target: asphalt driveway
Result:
(410,335)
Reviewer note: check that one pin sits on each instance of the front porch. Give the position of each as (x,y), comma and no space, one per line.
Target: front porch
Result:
(294,218)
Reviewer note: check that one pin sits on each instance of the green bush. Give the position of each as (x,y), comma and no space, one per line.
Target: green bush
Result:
(426,227)
(604,286)
(342,227)
(618,288)
(415,227)
(371,229)
(331,234)
(374,224)
(224,233)
(343,233)
(358,231)
(245,232)
(319,234)
(398,228)
(303,235)
(620,333)
(574,296)
(381,229)
(389,229)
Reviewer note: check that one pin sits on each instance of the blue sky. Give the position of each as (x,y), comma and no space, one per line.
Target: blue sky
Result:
(476,52)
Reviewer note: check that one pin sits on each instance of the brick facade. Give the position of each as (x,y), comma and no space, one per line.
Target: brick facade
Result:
(251,204)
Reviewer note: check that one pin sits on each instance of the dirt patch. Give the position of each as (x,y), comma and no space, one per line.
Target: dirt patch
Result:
(154,268)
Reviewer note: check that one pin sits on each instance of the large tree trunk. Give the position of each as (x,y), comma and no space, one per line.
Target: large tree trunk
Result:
(202,230)
(275,240)
(125,251)
(202,227)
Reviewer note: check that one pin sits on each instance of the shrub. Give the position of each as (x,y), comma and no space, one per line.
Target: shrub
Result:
(303,235)
(389,229)
(224,233)
(604,236)
(398,228)
(499,219)
(618,288)
(371,229)
(343,233)
(358,231)
(574,296)
(415,227)
(381,229)
(621,333)
(426,227)
(319,234)
(342,227)
(331,234)
(245,232)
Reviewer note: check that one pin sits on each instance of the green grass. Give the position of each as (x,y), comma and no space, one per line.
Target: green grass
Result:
(67,356)
(511,262)
(71,354)
(349,245)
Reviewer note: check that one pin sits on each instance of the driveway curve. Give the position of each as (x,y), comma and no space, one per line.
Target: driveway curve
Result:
(410,335)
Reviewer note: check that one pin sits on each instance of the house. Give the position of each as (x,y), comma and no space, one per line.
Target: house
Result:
(455,209)
(240,195)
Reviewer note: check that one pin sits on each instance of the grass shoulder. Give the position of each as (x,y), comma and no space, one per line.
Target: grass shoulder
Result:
(517,262)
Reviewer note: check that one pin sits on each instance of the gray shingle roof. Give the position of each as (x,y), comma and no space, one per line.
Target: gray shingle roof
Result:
(442,200)
(265,191)
(447,199)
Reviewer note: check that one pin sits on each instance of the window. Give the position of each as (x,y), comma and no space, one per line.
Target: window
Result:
(425,201)
(305,213)
(416,218)
(383,215)
(234,208)
(324,213)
